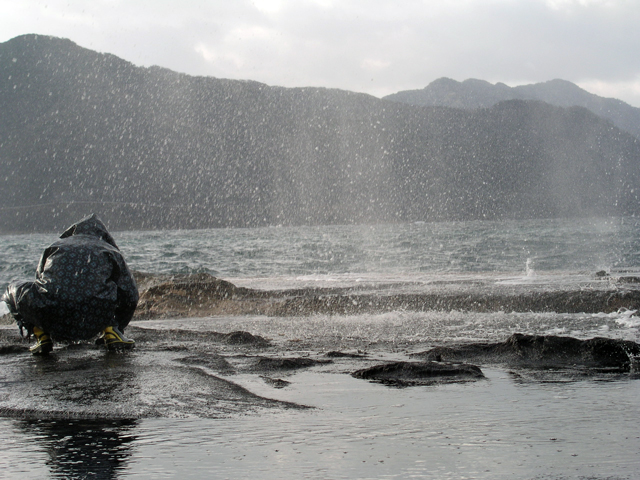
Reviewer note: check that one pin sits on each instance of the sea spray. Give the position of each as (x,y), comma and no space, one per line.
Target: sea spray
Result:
(528,268)
(634,364)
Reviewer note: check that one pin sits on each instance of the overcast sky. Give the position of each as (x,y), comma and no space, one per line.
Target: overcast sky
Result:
(373,46)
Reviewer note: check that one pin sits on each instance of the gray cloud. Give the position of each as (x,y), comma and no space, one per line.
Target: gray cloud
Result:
(374,46)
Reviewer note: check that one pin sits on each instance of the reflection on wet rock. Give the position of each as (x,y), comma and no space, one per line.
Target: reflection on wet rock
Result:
(83,448)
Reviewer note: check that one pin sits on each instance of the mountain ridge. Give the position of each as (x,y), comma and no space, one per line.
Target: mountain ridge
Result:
(474,93)
(149,148)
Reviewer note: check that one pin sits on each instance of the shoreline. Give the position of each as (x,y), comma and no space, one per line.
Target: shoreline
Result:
(166,296)
(178,296)
(196,334)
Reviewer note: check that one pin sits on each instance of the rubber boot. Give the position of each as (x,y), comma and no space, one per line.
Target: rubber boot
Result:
(114,339)
(43,345)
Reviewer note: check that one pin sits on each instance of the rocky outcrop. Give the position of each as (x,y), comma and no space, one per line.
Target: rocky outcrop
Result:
(203,295)
(420,373)
(167,296)
(186,295)
(556,301)
(543,351)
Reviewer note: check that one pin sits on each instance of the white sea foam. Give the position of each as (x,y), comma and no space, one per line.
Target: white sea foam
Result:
(627,318)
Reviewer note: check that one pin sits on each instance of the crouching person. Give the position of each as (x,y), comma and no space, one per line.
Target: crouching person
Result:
(83,288)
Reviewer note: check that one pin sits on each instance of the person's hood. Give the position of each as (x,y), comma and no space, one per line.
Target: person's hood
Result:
(91,226)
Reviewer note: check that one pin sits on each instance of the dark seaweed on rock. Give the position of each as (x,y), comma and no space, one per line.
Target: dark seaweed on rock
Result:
(12,348)
(338,354)
(275,382)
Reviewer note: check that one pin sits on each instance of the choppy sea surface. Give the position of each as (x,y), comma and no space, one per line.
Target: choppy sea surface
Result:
(347,253)
(498,428)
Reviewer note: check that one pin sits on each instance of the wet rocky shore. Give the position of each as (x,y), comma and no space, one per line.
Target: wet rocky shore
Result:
(171,296)
(181,370)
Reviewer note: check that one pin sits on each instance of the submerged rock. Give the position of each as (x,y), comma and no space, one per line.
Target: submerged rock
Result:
(420,373)
(269,364)
(338,354)
(543,351)
(275,382)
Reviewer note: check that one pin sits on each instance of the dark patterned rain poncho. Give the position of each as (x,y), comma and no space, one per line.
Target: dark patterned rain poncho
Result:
(82,286)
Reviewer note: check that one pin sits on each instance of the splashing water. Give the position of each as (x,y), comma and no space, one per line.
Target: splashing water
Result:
(528,268)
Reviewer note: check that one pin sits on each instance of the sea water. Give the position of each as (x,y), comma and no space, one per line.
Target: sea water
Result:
(498,428)
(406,249)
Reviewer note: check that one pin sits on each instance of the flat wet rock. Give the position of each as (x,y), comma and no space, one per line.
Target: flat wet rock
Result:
(83,383)
(183,368)
(170,373)
(420,373)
